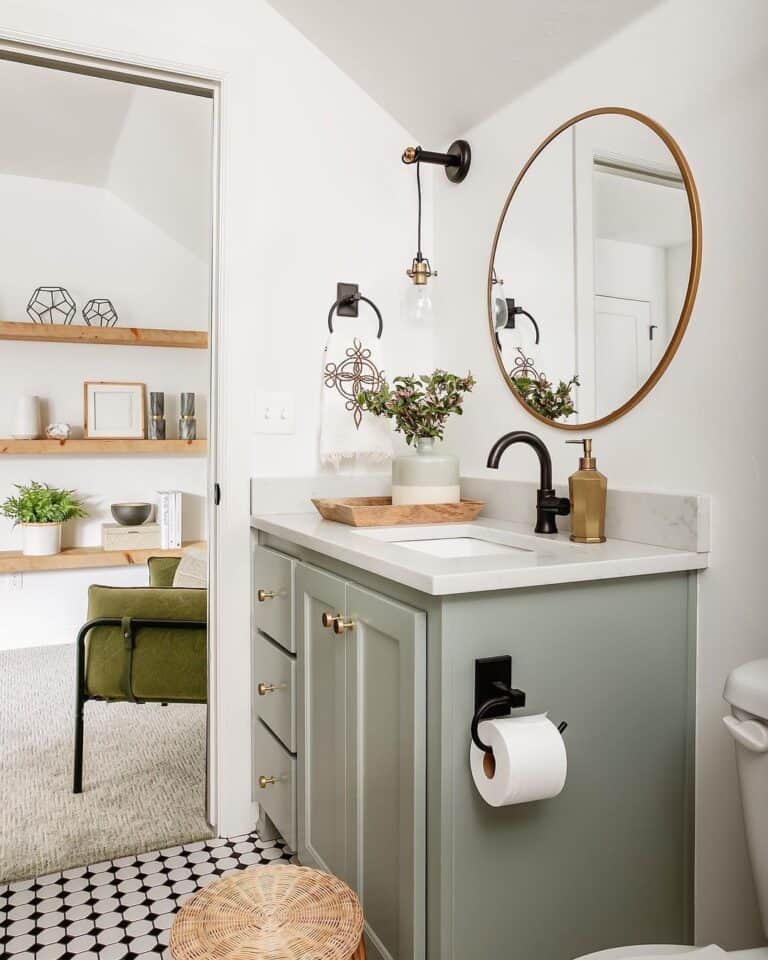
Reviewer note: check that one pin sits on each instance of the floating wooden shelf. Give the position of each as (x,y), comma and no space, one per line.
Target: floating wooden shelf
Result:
(97,448)
(117,336)
(81,558)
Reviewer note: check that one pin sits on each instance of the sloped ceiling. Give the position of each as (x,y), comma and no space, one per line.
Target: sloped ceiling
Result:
(441,66)
(150,148)
(57,125)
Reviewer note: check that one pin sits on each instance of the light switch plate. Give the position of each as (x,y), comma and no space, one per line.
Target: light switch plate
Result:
(274,412)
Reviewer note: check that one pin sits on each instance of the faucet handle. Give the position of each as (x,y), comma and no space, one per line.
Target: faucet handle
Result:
(547,500)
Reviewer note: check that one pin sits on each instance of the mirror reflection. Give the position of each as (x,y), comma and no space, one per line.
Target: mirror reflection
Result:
(591,268)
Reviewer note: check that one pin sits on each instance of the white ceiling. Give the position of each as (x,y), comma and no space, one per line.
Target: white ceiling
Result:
(441,66)
(116,136)
(58,125)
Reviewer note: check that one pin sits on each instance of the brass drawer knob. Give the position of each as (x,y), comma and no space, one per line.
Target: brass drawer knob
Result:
(340,625)
(264,688)
(262,595)
(266,781)
(328,620)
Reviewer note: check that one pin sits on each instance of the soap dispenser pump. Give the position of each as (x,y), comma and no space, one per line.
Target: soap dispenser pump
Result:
(587,490)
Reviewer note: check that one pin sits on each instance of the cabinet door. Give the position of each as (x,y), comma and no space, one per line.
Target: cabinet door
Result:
(323,795)
(386,720)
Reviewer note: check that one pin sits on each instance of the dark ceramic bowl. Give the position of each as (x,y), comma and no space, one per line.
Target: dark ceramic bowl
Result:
(131,514)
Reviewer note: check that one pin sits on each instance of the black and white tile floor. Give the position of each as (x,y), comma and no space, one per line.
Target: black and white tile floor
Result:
(119,909)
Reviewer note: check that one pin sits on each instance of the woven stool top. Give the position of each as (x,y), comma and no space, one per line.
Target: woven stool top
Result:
(269,913)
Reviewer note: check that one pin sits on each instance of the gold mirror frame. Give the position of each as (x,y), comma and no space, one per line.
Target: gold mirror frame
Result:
(693,277)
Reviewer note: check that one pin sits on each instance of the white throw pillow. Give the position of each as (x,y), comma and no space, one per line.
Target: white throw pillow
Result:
(192,570)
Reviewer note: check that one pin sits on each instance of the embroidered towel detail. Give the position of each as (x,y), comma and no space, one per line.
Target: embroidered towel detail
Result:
(347,432)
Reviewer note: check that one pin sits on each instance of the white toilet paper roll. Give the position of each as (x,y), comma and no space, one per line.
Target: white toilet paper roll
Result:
(529,760)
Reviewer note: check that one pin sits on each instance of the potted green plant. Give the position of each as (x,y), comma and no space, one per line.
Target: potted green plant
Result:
(420,407)
(41,510)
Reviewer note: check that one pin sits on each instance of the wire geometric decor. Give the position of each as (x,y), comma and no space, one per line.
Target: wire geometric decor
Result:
(100,313)
(51,305)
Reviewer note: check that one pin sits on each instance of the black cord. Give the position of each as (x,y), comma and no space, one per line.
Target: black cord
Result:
(418,185)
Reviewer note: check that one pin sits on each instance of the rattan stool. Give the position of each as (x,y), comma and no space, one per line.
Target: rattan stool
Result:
(270,913)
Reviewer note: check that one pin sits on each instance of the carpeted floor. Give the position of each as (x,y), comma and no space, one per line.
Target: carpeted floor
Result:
(144,771)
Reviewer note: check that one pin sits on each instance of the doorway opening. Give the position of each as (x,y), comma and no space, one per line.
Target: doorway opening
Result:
(108,305)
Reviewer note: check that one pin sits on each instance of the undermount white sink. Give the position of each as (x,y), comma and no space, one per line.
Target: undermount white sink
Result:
(455,540)
(459,547)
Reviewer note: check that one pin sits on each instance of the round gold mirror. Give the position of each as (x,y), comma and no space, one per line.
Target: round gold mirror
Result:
(594,268)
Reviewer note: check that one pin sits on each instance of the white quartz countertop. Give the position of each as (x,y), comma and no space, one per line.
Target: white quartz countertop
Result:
(524,559)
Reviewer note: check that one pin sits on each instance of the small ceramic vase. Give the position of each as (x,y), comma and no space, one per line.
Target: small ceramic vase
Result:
(187,421)
(426,476)
(26,424)
(156,415)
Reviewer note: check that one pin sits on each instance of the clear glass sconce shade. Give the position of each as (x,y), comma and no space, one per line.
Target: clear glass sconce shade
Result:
(416,305)
(500,311)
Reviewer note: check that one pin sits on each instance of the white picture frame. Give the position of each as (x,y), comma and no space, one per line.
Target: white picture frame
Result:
(114,411)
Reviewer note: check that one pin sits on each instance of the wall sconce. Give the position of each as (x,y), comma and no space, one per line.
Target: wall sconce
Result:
(505,310)
(417,303)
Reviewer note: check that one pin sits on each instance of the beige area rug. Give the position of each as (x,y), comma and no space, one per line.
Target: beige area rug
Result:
(143,772)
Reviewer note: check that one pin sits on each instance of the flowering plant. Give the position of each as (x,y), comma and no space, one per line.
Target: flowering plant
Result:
(420,406)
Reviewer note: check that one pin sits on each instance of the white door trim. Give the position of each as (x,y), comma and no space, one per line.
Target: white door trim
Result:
(201,81)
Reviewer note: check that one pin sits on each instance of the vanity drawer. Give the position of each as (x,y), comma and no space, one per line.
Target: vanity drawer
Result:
(273,667)
(272,601)
(278,799)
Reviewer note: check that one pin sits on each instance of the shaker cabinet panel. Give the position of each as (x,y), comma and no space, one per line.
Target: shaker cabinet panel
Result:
(274,781)
(386,705)
(272,595)
(274,679)
(323,797)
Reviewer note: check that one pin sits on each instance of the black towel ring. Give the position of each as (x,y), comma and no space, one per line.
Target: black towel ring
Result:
(352,299)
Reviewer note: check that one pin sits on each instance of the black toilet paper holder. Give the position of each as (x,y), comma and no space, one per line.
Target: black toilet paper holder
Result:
(495,696)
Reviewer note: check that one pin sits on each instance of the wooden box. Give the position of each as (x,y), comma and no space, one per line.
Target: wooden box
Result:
(114,536)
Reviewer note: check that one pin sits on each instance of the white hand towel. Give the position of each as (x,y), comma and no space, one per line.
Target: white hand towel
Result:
(349,435)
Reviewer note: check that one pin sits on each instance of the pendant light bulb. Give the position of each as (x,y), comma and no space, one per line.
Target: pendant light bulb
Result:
(417,308)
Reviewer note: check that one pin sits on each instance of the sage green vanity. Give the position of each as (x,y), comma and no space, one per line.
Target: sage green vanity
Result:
(361,751)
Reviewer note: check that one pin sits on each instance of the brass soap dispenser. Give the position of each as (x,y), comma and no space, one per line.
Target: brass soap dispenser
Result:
(587,489)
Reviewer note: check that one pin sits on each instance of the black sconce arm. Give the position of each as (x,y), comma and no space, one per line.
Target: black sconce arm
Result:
(456,160)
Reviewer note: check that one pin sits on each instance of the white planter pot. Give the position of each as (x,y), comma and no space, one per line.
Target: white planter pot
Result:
(40,539)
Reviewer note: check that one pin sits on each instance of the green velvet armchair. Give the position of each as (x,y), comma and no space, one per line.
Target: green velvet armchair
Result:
(141,645)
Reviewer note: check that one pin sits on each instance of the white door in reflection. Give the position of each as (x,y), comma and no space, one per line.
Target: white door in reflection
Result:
(623,349)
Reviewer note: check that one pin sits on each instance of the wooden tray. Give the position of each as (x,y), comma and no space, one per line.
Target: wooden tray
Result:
(379,512)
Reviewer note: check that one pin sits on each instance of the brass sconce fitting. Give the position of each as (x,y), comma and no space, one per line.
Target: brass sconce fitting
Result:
(420,271)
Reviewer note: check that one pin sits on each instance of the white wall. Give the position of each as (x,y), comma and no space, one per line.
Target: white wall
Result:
(161,165)
(700,67)
(314,192)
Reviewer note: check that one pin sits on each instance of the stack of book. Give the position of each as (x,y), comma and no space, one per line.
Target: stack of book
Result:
(169,518)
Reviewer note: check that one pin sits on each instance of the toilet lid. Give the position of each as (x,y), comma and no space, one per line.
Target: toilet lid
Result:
(662,950)
(643,950)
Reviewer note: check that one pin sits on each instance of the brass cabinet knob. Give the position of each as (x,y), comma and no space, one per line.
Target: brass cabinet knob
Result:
(340,625)
(262,595)
(264,688)
(266,781)
(328,619)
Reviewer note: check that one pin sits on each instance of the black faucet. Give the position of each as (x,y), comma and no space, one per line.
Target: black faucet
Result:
(547,504)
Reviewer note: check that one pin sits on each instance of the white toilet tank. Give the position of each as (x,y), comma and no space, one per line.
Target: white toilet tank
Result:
(747,692)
